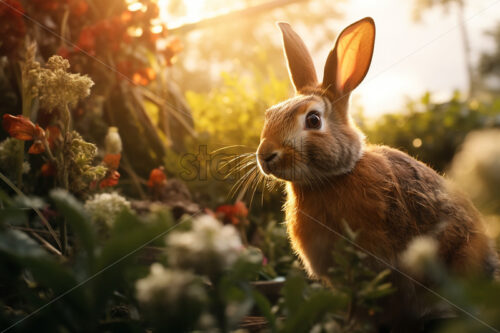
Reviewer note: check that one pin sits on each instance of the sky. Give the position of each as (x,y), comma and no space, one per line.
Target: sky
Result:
(411,58)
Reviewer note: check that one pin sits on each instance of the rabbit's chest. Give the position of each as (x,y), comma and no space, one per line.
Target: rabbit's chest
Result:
(315,224)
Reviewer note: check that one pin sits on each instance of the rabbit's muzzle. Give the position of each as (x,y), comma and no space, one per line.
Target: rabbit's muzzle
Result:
(268,156)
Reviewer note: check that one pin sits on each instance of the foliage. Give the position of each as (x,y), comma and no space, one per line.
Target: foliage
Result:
(125,49)
(489,63)
(432,132)
(201,278)
(355,290)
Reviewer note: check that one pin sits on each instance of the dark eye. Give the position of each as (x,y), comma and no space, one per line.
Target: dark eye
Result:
(313,120)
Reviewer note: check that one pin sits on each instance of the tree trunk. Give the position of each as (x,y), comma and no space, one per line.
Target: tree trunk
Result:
(467,50)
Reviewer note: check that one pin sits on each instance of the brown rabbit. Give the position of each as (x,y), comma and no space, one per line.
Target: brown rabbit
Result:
(311,143)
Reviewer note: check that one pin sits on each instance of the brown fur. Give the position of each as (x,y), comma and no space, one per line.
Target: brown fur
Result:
(383,193)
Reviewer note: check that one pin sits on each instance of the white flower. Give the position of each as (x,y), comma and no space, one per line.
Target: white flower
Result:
(113,141)
(105,207)
(168,287)
(53,84)
(421,252)
(208,248)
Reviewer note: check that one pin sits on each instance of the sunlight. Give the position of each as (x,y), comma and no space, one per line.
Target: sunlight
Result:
(195,10)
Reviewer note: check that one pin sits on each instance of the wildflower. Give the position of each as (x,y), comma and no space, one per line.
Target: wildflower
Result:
(81,171)
(113,141)
(111,180)
(79,7)
(173,299)
(233,214)
(112,161)
(105,207)
(143,76)
(48,169)
(10,149)
(55,87)
(420,254)
(87,40)
(21,128)
(113,147)
(157,178)
(208,248)
(12,27)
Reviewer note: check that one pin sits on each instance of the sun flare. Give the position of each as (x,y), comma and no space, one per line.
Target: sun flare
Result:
(195,10)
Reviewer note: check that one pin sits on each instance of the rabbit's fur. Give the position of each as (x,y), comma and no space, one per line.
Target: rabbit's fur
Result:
(333,176)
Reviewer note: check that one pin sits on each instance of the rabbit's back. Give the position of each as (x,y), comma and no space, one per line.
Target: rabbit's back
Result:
(390,198)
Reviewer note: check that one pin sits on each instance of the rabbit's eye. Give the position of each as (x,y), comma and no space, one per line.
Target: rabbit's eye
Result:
(313,120)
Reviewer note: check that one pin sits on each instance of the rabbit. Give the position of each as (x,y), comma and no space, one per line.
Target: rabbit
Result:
(332,175)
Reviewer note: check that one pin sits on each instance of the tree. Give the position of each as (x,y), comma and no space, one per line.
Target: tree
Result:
(489,63)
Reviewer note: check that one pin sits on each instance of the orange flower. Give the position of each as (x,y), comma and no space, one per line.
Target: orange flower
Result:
(110,180)
(240,209)
(21,128)
(87,40)
(157,177)
(112,161)
(48,169)
(79,8)
(233,214)
(174,46)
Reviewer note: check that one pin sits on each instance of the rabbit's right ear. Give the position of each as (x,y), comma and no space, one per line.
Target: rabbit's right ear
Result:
(300,64)
(348,62)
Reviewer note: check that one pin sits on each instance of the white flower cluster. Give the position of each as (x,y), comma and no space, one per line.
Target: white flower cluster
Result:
(55,87)
(168,287)
(420,253)
(105,207)
(476,169)
(208,248)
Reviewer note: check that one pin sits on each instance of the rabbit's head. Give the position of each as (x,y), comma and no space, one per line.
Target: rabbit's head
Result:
(311,136)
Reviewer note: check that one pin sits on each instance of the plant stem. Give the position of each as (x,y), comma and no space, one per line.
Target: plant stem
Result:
(63,169)
(42,218)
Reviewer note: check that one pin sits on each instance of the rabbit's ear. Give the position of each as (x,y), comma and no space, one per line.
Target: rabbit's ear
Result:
(348,62)
(300,64)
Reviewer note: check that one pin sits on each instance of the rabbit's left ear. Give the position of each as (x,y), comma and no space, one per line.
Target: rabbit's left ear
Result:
(348,62)
(300,64)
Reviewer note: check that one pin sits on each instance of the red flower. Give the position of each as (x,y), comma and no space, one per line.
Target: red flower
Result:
(233,214)
(112,161)
(87,40)
(157,177)
(12,27)
(48,169)
(22,128)
(110,180)
(79,7)
(64,52)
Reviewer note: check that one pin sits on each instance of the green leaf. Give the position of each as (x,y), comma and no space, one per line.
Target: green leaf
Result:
(19,244)
(293,291)
(313,310)
(264,307)
(76,217)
